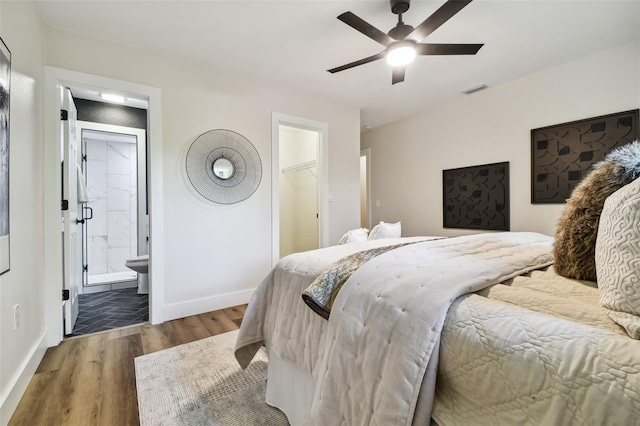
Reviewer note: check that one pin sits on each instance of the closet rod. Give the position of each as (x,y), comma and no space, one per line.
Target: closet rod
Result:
(301,166)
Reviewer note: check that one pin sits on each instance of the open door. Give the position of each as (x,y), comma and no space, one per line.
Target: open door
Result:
(71,238)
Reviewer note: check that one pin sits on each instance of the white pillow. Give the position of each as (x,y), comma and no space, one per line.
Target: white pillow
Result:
(618,257)
(354,236)
(386,230)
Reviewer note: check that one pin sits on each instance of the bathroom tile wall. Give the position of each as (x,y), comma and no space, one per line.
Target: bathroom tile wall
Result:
(112,187)
(96,175)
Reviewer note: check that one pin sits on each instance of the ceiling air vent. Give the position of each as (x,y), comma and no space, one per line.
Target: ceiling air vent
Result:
(474,89)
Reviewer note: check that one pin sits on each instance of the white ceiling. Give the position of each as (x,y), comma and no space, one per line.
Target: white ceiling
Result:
(293,43)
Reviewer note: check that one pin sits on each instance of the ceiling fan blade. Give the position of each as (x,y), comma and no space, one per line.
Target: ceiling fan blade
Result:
(398,75)
(447,49)
(356,63)
(365,28)
(439,17)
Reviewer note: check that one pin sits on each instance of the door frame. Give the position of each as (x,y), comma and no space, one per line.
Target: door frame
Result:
(53,79)
(322,168)
(366,153)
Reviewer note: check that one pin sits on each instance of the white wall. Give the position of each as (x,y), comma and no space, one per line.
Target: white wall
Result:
(21,350)
(492,126)
(215,256)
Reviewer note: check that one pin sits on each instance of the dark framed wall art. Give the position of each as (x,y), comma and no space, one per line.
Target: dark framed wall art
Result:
(562,154)
(5,90)
(476,197)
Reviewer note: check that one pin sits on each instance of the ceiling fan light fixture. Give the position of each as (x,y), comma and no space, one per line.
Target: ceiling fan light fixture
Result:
(402,42)
(401,54)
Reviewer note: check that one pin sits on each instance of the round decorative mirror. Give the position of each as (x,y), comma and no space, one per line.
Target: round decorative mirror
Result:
(223,168)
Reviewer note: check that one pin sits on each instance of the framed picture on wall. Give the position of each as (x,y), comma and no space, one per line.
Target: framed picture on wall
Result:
(5,91)
(563,154)
(476,197)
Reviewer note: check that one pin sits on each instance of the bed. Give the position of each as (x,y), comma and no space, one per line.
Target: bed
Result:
(493,342)
(494,328)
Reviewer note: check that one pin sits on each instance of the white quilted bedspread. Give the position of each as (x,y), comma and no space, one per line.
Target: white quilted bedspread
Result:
(277,315)
(370,359)
(559,361)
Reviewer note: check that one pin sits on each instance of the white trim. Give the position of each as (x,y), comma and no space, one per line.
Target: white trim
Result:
(18,383)
(206,304)
(53,78)
(322,128)
(367,154)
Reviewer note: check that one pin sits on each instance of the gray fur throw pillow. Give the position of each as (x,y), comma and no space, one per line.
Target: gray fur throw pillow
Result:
(574,248)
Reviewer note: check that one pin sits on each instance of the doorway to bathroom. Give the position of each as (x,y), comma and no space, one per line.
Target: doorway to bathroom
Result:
(115,226)
(55,263)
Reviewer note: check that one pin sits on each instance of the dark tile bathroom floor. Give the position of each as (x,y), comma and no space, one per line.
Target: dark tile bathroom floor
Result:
(111,309)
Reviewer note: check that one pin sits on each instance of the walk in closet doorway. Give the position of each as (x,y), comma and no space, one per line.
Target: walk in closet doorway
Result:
(299,185)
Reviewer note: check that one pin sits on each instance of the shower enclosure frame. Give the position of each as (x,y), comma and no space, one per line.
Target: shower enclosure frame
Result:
(142,221)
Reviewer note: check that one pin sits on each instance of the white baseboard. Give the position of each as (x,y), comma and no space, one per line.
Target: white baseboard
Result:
(20,380)
(206,304)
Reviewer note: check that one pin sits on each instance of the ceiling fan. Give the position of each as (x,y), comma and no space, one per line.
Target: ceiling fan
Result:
(402,42)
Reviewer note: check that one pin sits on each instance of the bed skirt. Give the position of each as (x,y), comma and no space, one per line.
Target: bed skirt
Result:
(290,389)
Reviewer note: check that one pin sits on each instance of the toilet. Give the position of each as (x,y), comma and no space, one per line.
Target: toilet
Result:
(140,264)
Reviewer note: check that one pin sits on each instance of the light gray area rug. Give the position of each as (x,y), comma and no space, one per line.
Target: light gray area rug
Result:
(200,383)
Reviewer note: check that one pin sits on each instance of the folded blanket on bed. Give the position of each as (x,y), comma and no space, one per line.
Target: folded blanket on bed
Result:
(381,345)
(277,314)
(322,292)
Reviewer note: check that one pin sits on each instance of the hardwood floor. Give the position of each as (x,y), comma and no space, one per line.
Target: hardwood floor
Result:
(90,380)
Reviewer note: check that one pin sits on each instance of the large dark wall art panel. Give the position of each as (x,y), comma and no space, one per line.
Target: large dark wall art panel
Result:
(561,155)
(476,197)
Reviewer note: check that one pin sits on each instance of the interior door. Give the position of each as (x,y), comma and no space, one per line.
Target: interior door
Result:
(72,241)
